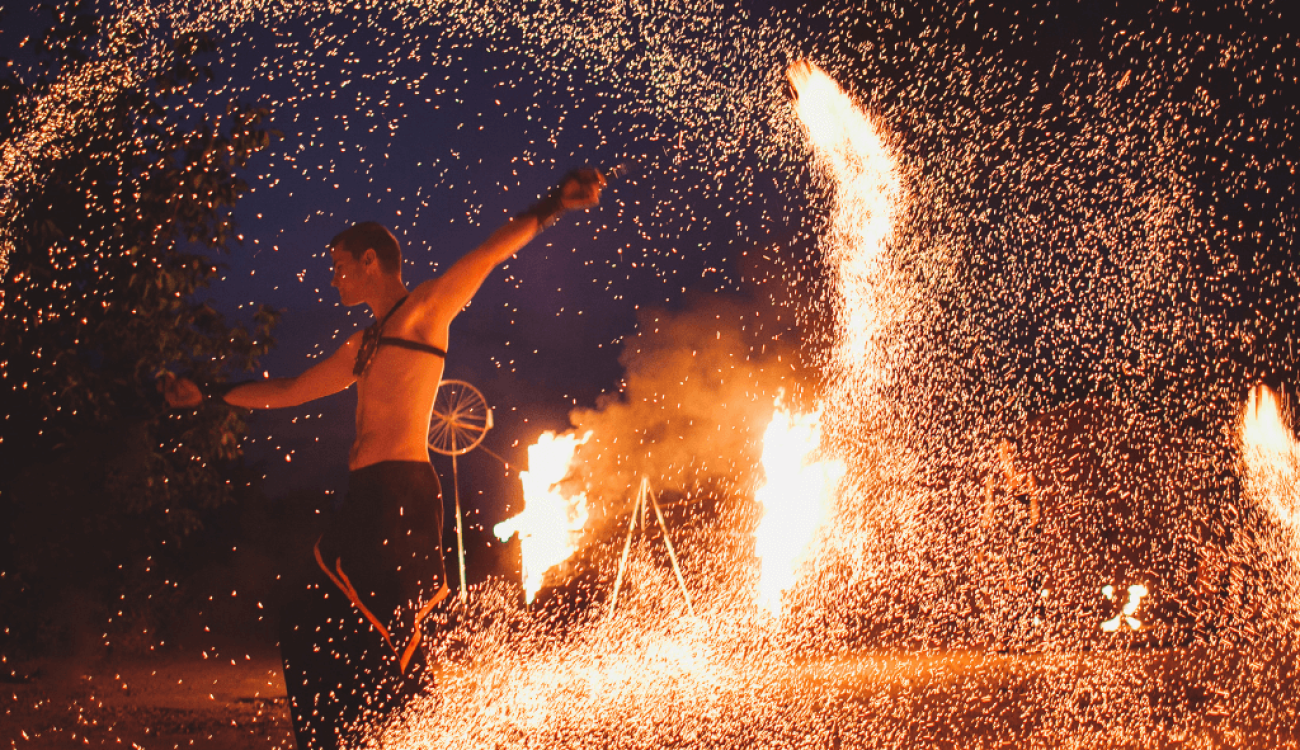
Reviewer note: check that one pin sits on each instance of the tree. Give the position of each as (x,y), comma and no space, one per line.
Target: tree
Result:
(99,297)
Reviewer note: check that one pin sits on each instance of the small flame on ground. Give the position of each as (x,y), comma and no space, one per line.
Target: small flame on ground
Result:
(1135,594)
(797,497)
(551,523)
(1271,461)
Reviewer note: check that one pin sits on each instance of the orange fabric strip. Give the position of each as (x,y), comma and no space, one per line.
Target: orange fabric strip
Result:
(346,587)
(411,645)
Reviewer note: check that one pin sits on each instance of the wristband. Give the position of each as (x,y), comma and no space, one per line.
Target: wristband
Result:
(546,211)
(550,208)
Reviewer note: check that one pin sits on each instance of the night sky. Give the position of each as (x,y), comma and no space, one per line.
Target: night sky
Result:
(442,166)
(545,332)
(443,126)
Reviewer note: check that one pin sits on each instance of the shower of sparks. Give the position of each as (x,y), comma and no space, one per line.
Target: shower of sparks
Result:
(412,62)
(797,497)
(551,523)
(867,194)
(1271,457)
(998,242)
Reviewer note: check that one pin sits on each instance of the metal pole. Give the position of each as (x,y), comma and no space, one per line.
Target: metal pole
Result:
(672,555)
(460,534)
(627,546)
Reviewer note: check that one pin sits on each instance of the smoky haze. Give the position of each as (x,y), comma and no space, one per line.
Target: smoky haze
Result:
(699,389)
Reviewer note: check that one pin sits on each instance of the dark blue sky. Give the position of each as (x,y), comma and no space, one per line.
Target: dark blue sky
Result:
(1006,115)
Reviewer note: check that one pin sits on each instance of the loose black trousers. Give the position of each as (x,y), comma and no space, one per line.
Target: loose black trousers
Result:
(345,629)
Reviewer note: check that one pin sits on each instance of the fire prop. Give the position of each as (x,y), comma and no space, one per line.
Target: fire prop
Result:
(551,523)
(797,497)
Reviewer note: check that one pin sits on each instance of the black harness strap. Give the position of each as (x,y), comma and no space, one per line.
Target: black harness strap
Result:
(370,340)
(418,346)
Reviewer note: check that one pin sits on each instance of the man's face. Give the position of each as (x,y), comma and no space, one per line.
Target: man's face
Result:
(349,276)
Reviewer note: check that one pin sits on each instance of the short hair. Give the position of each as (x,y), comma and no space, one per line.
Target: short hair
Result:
(370,235)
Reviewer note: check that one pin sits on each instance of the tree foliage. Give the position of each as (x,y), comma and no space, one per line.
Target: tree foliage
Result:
(113,247)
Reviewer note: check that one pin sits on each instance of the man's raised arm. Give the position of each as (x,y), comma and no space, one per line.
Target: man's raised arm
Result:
(322,379)
(455,288)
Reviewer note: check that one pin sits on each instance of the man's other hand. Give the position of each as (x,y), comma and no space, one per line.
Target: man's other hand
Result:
(581,189)
(181,393)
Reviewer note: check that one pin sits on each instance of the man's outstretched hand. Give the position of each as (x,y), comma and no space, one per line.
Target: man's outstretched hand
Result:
(581,189)
(181,393)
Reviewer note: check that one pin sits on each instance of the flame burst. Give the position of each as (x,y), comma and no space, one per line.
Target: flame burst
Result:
(867,196)
(551,524)
(796,494)
(1271,453)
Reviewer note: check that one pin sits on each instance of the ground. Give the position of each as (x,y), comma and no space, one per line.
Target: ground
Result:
(937,699)
(178,700)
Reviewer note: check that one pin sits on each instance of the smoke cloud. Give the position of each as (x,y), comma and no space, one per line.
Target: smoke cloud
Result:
(699,389)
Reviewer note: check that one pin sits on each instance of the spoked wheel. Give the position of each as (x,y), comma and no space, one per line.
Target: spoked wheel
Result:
(461,418)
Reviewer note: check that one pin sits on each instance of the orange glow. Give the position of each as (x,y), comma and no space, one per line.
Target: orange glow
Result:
(551,523)
(1271,455)
(796,494)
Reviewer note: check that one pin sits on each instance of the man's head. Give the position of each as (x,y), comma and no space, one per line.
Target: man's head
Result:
(364,257)
(370,235)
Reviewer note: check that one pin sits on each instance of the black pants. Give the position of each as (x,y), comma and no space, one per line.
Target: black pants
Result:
(342,658)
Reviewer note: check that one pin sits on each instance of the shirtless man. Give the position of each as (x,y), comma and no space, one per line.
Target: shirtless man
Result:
(350,639)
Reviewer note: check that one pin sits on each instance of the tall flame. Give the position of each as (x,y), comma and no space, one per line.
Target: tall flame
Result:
(867,196)
(1272,456)
(797,497)
(550,525)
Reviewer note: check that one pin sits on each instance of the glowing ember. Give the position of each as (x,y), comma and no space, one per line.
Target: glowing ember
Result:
(1135,594)
(551,524)
(796,496)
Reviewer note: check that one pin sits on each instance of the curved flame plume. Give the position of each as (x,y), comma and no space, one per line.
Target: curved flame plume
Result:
(867,197)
